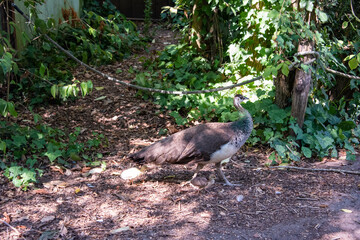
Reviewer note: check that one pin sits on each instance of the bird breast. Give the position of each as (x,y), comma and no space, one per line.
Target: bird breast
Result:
(226,151)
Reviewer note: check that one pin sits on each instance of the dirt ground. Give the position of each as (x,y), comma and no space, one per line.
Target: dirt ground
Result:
(269,204)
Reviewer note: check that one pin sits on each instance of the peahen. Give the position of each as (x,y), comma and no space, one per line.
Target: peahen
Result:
(201,144)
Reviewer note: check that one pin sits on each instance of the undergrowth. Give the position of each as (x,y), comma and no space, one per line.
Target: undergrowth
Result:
(262,42)
(26,151)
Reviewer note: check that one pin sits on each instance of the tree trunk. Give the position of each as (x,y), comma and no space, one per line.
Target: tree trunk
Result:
(283,87)
(302,85)
(196,25)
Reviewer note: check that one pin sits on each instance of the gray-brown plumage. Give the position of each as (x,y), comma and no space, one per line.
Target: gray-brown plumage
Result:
(201,144)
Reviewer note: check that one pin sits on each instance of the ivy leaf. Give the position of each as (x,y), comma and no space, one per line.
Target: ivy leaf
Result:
(324,141)
(280,150)
(347,125)
(19,140)
(306,151)
(322,16)
(52,155)
(268,133)
(353,63)
(303,4)
(309,6)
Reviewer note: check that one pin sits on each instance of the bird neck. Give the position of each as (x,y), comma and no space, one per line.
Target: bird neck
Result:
(244,122)
(243,113)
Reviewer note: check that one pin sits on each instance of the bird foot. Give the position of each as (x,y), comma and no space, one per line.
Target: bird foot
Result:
(183,184)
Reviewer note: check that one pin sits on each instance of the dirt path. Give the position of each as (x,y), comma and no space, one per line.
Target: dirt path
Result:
(276,204)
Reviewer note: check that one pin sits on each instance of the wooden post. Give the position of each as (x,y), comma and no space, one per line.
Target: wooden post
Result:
(300,92)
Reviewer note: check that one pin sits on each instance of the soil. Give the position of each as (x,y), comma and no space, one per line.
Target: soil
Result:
(268,204)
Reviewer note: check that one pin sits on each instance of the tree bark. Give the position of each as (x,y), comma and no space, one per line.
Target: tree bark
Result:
(302,85)
(283,87)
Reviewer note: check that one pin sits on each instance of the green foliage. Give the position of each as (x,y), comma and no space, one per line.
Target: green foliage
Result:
(326,129)
(175,17)
(102,8)
(147,19)
(46,71)
(7,108)
(25,149)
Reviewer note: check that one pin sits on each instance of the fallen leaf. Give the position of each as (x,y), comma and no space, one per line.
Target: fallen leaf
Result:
(100,98)
(56,183)
(346,210)
(85,169)
(6,217)
(47,219)
(122,229)
(68,172)
(96,170)
(40,191)
(56,169)
(116,173)
(77,190)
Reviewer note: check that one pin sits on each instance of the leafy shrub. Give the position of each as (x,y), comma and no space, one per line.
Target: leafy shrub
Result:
(94,40)
(326,129)
(25,149)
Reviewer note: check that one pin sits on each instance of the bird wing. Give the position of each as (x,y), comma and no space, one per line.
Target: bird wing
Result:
(194,144)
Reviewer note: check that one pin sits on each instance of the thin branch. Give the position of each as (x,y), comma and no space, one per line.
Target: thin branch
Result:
(317,169)
(175,92)
(17,231)
(353,12)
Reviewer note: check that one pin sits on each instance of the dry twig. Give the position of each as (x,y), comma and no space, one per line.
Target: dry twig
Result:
(318,169)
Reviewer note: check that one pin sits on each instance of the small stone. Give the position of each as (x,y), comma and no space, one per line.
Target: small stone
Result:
(239,198)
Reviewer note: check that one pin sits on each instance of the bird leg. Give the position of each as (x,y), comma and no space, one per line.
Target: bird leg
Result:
(220,172)
(197,170)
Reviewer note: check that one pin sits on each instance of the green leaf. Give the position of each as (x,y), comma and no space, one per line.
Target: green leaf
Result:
(322,16)
(52,155)
(347,125)
(324,141)
(268,71)
(84,88)
(90,85)
(54,90)
(303,3)
(19,140)
(345,24)
(42,70)
(280,150)
(306,151)
(3,107)
(11,109)
(353,63)
(3,146)
(309,6)
(285,69)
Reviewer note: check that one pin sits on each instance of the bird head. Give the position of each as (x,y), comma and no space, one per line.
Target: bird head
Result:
(212,176)
(239,99)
